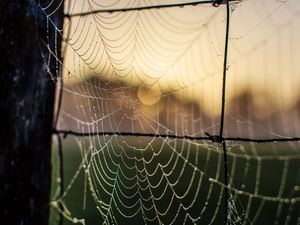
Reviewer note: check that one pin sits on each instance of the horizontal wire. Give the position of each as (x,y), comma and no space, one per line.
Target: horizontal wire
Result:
(136,134)
(144,8)
(213,138)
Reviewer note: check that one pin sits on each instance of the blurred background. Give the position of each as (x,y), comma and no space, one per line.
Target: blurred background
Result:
(160,71)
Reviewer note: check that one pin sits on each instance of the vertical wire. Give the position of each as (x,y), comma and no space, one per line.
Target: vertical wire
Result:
(60,82)
(225,69)
(226,191)
(60,85)
(61,174)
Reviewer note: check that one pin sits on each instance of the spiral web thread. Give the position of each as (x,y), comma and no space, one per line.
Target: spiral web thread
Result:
(142,95)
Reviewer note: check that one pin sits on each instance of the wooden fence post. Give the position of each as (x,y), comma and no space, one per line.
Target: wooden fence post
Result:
(27,95)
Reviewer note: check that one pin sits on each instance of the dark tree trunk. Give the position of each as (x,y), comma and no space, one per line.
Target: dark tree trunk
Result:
(26,110)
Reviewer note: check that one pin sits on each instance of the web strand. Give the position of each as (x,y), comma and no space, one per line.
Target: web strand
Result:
(147,151)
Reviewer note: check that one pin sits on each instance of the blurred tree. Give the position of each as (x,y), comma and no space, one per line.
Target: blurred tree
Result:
(26,109)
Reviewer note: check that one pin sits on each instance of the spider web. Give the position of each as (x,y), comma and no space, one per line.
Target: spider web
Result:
(143,95)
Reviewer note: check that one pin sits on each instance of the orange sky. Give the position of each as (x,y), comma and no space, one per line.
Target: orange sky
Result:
(181,49)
